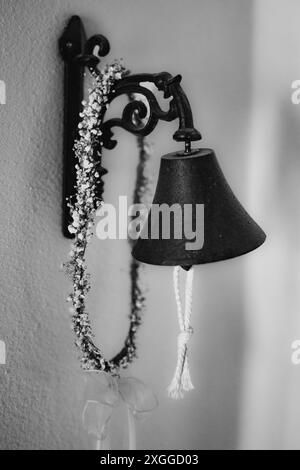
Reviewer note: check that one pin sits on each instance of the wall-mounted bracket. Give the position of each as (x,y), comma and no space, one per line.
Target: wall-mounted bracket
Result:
(77,53)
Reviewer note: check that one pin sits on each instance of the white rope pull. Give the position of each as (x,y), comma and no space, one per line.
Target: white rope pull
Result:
(182,380)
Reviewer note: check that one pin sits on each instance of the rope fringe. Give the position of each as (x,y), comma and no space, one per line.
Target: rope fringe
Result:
(181,381)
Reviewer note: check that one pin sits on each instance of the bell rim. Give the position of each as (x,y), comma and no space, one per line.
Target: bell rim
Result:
(185,262)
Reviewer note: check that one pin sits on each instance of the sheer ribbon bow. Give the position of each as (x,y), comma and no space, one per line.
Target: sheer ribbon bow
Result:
(104,393)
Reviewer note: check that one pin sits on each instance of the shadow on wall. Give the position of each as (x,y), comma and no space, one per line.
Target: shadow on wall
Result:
(288,171)
(220,330)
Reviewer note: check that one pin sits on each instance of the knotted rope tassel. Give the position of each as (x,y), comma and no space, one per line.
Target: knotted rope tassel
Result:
(182,381)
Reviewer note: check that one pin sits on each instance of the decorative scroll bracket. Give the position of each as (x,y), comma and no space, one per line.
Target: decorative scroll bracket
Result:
(179,108)
(78,53)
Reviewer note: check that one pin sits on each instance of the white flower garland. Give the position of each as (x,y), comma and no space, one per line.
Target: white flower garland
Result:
(83,210)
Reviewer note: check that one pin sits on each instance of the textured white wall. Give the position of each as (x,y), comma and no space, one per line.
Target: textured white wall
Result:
(41,387)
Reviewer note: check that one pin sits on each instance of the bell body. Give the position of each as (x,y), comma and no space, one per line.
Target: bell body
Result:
(223,226)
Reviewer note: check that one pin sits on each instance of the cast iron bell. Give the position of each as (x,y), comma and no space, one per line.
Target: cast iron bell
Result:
(190,179)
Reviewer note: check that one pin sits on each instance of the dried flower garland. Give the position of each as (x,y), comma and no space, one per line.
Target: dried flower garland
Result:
(83,210)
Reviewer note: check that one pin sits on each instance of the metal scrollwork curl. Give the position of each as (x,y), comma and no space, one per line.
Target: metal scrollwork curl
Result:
(179,107)
(136,109)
